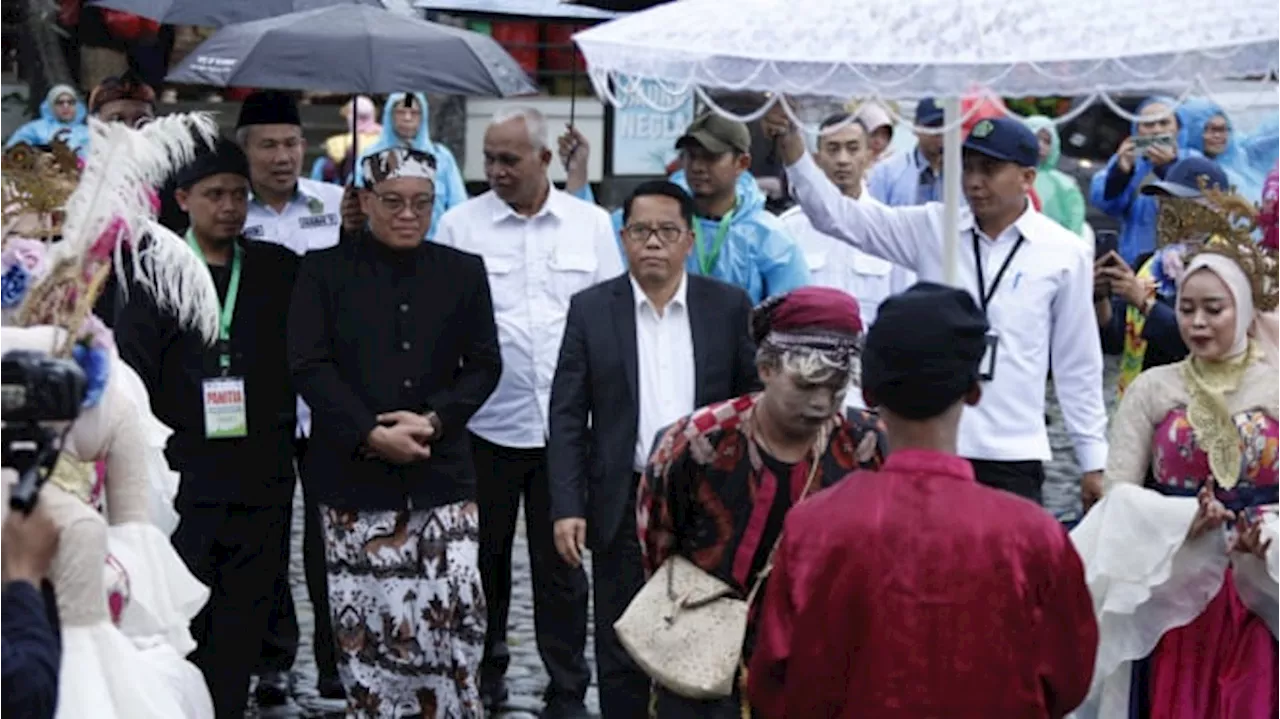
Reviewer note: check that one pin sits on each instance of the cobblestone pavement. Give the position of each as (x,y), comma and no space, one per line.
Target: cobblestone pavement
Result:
(526,677)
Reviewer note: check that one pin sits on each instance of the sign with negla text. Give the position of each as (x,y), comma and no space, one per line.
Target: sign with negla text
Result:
(644,138)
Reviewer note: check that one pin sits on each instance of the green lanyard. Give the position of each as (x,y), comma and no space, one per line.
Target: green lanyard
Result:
(706,262)
(228,305)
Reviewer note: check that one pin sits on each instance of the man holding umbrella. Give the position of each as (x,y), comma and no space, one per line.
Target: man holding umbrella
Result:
(303,216)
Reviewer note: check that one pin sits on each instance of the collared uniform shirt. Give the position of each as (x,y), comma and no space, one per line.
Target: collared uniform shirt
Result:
(1042,307)
(665,373)
(311,221)
(905,179)
(837,264)
(535,264)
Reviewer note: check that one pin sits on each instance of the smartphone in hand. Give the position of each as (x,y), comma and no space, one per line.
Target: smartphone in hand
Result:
(1105,242)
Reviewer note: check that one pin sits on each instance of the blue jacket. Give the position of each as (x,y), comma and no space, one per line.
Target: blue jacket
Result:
(1247,160)
(450,189)
(896,181)
(758,254)
(45,129)
(1137,212)
(31,654)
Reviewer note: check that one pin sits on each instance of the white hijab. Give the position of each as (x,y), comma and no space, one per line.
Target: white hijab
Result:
(1249,322)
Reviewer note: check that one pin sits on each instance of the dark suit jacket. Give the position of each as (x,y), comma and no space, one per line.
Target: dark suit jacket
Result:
(32,653)
(596,382)
(373,330)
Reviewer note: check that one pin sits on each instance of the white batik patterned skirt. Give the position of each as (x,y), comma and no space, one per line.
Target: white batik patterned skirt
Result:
(408,610)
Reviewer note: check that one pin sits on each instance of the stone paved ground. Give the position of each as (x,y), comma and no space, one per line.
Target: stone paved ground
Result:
(526,677)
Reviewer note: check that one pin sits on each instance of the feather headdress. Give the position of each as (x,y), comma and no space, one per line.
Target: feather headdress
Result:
(1223,223)
(115,205)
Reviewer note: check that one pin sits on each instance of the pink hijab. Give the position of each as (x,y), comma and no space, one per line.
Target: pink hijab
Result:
(365,118)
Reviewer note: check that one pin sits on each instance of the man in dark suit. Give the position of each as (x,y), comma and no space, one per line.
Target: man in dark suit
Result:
(639,352)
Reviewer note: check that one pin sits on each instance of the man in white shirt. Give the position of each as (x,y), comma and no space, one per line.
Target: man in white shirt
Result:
(304,216)
(640,351)
(540,247)
(843,153)
(1032,278)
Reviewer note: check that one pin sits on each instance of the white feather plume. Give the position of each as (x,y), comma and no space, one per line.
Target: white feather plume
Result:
(123,166)
(166,267)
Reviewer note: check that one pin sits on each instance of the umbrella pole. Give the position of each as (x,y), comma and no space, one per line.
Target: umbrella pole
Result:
(355,140)
(951,170)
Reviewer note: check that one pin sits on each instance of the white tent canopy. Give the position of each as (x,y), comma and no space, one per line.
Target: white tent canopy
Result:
(923,48)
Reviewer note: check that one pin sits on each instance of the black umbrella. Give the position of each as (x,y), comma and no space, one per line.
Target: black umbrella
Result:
(357,49)
(217,13)
(619,5)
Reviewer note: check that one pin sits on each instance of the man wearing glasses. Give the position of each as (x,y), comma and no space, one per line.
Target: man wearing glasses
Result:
(640,351)
(540,247)
(392,343)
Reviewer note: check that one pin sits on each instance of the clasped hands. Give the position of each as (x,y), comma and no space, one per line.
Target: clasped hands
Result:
(403,437)
(1212,514)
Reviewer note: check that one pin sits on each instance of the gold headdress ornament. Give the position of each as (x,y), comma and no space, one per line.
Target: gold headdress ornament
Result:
(1223,223)
(37,184)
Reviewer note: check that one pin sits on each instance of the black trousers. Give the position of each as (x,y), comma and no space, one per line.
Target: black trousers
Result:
(504,475)
(280,646)
(236,551)
(617,575)
(1025,479)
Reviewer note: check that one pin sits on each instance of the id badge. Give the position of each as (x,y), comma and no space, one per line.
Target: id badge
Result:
(224,408)
(987,368)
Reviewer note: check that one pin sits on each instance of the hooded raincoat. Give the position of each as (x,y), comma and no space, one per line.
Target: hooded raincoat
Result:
(47,128)
(757,253)
(1246,160)
(1120,196)
(1060,196)
(450,189)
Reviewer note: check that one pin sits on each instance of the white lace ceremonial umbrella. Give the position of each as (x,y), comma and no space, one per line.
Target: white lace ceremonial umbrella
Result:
(929,48)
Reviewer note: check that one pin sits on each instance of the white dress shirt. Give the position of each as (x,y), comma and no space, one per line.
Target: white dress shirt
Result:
(311,221)
(664,348)
(839,265)
(535,265)
(1043,306)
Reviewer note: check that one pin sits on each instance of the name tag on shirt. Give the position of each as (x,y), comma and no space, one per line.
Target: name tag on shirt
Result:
(987,368)
(312,222)
(224,408)
(254,233)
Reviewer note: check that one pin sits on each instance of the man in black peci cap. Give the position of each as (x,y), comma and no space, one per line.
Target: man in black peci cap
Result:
(1032,278)
(304,216)
(918,554)
(231,409)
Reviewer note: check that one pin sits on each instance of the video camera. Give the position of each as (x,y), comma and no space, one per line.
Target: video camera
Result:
(42,396)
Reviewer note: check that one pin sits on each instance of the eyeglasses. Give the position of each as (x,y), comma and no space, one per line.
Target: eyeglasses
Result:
(640,234)
(395,204)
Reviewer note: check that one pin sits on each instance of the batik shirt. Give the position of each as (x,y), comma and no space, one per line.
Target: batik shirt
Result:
(713,496)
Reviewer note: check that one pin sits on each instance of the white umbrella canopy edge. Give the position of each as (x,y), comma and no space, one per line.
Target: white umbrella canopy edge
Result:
(928,48)
(936,48)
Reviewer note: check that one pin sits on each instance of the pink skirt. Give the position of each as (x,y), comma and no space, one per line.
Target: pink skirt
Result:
(1223,665)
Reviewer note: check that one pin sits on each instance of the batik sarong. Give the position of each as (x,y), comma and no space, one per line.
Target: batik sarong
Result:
(408,610)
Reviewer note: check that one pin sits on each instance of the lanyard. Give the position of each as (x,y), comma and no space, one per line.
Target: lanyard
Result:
(706,262)
(229,304)
(984,294)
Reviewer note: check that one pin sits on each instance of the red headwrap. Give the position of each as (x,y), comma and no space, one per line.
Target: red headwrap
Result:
(125,87)
(817,308)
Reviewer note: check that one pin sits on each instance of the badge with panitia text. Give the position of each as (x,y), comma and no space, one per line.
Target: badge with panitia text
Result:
(225,416)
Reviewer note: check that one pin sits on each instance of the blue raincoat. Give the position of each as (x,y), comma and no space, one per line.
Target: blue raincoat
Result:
(1136,211)
(450,190)
(758,254)
(1247,160)
(46,128)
